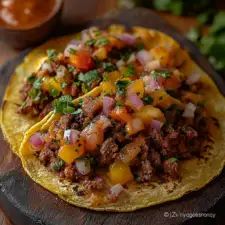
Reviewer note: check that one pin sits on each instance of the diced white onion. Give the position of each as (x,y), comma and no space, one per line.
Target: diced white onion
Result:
(132,58)
(143,57)
(46,66)
(189,111)
(83,166)
(61,71)
(67,135)
(116,190)
(153,65)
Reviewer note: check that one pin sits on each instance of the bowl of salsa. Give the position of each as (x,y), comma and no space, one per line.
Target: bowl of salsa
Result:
(25,23)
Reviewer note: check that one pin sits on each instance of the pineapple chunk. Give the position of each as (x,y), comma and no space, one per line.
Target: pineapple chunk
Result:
(137,87)
(101,53)
(49,83)
(71,152)
(148,113)
(108,88)
(120,173)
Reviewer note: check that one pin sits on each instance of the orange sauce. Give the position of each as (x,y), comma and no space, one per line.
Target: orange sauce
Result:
(24,14)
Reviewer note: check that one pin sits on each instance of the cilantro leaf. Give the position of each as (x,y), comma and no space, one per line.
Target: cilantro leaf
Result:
(78,111)
(101,42)
(64,105)
(54,92)
(148,100)
(109,67)
(90,42)
(89,77)
(130,71)
(160,73)
(52,54)
(57,165)
(37,83)
(121,86)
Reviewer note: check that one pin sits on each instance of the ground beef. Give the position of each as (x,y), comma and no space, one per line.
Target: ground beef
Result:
(146,171)
(46,156)
(65,121)
(70,173)
(25,90)
(78,121)
(48,108)
(108,151)
(91,106)
(155,158)
(96,184)
(170,167)
(53,145)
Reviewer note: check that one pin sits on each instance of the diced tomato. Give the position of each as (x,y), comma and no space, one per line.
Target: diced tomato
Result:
(82,60)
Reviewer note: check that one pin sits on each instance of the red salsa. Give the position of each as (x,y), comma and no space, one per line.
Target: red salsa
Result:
(24,14)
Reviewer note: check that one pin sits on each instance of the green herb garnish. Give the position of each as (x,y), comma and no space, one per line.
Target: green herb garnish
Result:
(109,67)
(71,69)
(101,42)
(121,86)
(89,77)
(64,105)
(63,85)
(54,92)
(37,83)
(72,51)
(90,42)
(160,73)
(52,54)
(31,79)
(57,165)
(130,71)
(78,111)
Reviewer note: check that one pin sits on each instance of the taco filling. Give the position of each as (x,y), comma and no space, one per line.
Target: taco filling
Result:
(137,132)
(85,62)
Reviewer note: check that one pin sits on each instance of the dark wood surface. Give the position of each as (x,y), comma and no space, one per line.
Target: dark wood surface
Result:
(26,203)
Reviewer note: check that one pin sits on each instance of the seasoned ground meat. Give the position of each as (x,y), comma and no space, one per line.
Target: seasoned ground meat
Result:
(96,184)
(108,151)
(78,121)
(46,110)
(70,173)
(155,158)
(170,167)
(146,171)
(25,90)
(65,121)
(91,106)
(54,146)
(46,156)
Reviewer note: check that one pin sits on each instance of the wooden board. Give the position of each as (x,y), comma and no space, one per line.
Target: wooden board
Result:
(26,203)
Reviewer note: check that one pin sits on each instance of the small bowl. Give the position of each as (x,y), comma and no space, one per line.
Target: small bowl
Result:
(23,38)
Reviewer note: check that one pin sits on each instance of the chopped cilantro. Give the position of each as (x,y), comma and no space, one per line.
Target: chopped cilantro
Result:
(80,102)
(72,51)
(119,104)
(90,42)
(140,46)
(52,54)
(64,105)
(63,85)
(160,73)
(78,111)
(121,86)
(173,159)
(35,94)
(31,79)
(129,72)
(37,83)
(101,42)
(97,32)
(125,53)
(89,77)
(71,69)
(57,165)
(54,92)
(109,67)
(148,100)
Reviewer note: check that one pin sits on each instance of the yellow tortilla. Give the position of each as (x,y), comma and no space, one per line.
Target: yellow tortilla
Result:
(13,124)
(195,173)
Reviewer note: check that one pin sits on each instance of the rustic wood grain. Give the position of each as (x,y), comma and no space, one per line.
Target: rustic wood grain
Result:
(3,219)
(29,204)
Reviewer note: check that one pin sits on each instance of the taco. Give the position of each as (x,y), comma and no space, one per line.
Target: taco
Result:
(71,65)
(156,134)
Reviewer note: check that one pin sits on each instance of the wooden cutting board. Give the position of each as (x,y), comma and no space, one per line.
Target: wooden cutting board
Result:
(27,203)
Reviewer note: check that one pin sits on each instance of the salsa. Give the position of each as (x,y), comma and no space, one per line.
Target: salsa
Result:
(24,14)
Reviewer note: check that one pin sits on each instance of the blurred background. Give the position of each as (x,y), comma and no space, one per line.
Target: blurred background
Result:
(202,21)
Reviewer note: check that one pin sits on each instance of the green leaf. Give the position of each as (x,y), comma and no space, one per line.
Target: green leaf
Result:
(218,23)
(72,51)
(78,111)
(64,105)
(89,77)
(37,83)
(52,54)
(160,73)
(101,42)
(31,79)
(109,67)
(121,86)
(90,42)
(58,165)
(54,92)
(130,71)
